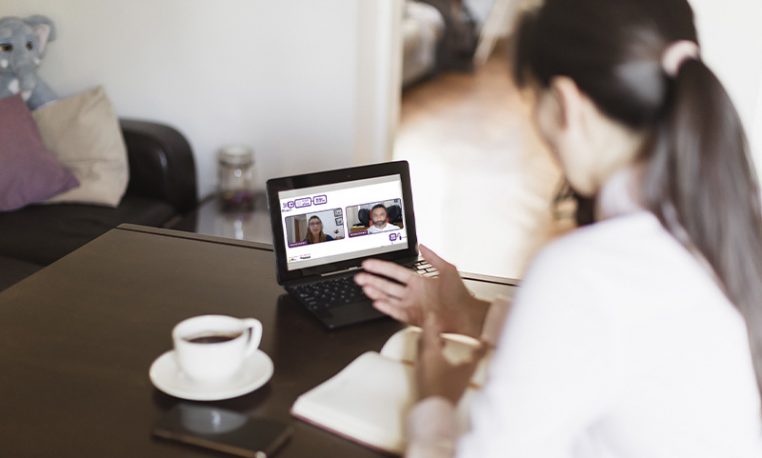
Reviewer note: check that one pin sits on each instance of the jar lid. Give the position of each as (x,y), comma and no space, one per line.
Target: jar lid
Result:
(236,155)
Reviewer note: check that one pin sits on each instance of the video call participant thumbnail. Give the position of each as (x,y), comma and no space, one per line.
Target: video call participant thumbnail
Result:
(315,227)
(315,232)
(379,220)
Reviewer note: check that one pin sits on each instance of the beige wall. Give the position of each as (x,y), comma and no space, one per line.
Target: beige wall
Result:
(283,76)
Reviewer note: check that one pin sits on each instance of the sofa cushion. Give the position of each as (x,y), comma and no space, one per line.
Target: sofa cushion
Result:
(83,132)
(44,233)
(28,172)
(14,270)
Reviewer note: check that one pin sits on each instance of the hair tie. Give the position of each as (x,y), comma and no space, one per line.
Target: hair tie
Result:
(676,54)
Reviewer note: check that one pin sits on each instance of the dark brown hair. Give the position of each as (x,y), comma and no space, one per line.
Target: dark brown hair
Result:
(698,177)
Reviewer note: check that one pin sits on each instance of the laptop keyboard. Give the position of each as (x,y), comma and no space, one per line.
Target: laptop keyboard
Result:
(343,290)
(330,293)
(425,269)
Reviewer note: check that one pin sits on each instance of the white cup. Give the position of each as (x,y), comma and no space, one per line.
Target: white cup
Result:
(212,348)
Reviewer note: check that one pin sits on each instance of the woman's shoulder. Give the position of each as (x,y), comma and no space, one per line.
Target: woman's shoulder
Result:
(627,231)
(588,253)
(584,271)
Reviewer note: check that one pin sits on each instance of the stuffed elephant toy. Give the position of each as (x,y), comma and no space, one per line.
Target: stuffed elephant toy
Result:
(22,46)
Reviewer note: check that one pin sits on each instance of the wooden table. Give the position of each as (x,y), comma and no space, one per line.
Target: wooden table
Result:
(79,337)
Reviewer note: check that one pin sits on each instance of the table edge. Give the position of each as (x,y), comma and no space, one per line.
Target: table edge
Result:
(194,236)
(268,247)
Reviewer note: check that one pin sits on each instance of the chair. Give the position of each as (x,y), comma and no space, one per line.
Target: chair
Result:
(364,216)
(394,213)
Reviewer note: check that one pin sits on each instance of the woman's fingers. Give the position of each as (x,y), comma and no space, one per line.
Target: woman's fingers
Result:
(435,375)
(388,269)
(432,329)
(395,311)
(431,366)
(373,293)
(387,304)
(434,259)
(387,287)
(378,295)
(480,352)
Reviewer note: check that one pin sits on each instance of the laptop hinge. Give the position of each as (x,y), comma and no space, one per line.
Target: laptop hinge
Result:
(339,272)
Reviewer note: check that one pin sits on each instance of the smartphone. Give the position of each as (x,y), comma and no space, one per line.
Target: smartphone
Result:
(223,430)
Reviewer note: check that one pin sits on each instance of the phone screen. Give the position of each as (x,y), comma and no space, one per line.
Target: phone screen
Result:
(223,430)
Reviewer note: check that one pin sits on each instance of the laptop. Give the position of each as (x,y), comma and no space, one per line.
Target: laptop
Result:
(325,224)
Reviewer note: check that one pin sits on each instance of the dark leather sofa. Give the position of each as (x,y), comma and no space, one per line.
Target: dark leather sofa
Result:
(162,187)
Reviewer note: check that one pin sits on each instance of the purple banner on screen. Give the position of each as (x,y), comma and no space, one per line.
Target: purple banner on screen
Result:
(358,233)
(302,243)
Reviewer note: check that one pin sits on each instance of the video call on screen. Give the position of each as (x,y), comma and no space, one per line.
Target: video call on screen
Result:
(342,221)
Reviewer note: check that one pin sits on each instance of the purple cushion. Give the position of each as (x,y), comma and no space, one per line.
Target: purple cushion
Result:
(29,173)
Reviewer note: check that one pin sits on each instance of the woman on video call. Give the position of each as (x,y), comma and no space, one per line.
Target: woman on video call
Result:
(315,232)
(637,336)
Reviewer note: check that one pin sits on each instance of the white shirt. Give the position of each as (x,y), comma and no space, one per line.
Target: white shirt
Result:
(619,343)
(389,227)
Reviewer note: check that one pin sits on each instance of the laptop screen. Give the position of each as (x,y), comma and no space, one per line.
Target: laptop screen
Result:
(336,222)
(327,222)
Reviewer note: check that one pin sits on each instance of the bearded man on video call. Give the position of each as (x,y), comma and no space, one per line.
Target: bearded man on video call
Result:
(379,220)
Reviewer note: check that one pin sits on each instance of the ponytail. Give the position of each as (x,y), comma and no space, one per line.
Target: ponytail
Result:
(630,59)
(700,183)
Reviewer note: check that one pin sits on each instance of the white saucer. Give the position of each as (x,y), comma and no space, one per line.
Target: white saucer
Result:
(167,377)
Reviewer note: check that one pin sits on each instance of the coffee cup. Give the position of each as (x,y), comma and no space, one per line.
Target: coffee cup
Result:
(213,348)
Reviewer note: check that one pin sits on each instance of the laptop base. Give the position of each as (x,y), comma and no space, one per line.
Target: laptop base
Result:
(347,315)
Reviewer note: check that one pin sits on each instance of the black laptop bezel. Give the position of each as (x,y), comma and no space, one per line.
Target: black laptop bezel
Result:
(276,185)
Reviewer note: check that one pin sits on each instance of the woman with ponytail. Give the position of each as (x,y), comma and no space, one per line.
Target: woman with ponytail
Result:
(639,335)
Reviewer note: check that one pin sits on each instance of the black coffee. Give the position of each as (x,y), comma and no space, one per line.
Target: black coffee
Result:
(213,338)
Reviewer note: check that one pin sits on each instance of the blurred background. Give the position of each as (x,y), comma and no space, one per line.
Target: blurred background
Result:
(313,85)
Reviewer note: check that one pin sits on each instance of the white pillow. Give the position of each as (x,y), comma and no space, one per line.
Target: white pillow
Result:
(83,132)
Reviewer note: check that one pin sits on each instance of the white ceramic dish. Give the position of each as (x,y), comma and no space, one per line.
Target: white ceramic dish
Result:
(167,377)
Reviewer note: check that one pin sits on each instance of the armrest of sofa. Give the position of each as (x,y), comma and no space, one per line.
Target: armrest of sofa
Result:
(161,163)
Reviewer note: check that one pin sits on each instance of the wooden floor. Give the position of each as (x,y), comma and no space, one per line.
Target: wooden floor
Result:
(482,181)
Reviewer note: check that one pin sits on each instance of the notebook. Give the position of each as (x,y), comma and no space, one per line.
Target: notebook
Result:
(325,224)
(368,401)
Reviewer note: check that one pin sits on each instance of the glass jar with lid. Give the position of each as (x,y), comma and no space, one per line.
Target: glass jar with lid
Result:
(236,178)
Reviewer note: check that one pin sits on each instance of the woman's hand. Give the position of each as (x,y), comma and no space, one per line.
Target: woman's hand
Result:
(408,297)
(435,376)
